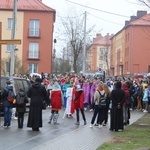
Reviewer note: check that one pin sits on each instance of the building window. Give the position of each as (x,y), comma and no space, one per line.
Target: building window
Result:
(9,48)
(10,23)
(101,57)
(101,50)
(33,67)
(7,66)
(34,28)
(101,66)
(33,50)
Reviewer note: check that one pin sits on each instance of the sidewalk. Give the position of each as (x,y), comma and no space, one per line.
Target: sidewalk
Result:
(84,138)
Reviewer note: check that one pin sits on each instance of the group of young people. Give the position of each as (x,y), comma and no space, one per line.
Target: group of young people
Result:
(77,93)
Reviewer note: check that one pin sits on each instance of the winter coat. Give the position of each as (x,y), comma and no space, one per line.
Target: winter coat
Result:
(56,99)
(79,100)
(22,108)
(127,94)
(4,96)
(117,97)
(37,93)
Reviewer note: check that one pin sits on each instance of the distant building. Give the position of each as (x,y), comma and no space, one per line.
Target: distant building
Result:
(130,47)
(98,54)
(35,25)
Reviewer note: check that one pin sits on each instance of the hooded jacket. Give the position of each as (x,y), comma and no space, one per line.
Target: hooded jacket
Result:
(6,103)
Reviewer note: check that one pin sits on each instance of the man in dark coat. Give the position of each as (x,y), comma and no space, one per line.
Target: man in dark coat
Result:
(117,97)
(38,94)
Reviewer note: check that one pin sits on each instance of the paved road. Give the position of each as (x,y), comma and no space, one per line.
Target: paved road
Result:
(65,136)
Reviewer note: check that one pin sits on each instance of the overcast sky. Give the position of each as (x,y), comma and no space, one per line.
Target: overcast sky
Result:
(108,16)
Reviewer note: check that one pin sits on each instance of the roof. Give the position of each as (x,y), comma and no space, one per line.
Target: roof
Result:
(143,21)
(25,5)
(100,40)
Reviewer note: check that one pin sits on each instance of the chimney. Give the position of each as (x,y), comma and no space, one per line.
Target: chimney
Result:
(141,13)
(98,34)
(127,23)
(132,18)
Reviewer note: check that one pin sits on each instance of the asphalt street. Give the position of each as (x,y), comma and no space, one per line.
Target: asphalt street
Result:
(64,136)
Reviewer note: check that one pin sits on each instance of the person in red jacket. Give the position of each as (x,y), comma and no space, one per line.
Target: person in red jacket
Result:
(79,104)
(56,97)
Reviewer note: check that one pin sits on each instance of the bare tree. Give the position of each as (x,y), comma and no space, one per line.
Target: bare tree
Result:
(145,2)
(5,69)
(74,34)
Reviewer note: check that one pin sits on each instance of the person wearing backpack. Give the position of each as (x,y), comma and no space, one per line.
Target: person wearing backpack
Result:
(97,110)
(8,105)
(21,100)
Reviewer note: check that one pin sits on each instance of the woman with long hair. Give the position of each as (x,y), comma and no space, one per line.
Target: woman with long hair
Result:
(98,111)
(108,93)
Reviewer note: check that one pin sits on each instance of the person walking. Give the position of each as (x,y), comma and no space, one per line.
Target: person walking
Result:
(145,99)
(108,93)
(125,104)
(116,116)
(98,111)
(7,104)
(21,100)
(38,94)
(56,97)
(79,104)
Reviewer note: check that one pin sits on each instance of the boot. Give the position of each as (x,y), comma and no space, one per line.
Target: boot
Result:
(50,119)
(85,122)
(55,118)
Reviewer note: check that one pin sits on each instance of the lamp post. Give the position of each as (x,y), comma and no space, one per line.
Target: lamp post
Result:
(53,56)
(13,37)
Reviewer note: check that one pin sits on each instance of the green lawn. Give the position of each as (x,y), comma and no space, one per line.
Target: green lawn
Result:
(134,137)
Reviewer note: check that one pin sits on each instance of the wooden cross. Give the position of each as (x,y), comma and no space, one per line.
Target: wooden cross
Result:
(5,42)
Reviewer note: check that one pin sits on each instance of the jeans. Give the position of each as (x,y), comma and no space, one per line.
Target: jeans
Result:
(96,112)
(7,115)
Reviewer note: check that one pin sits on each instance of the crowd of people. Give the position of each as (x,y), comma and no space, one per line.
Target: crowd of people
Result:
(77,93)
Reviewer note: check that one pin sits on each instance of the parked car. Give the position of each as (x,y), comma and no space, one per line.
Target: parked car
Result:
(17,84)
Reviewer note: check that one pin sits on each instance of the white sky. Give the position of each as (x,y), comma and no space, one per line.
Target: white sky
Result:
(104,22)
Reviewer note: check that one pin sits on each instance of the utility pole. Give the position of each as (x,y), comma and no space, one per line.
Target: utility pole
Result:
(84,47)
(12,54)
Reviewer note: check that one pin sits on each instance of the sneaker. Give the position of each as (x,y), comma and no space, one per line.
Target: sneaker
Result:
(100,126)
(91,110)
(145,111)
(15,118)
(4,127)
(95,124)
(85,108)
(91,126)
(104,124)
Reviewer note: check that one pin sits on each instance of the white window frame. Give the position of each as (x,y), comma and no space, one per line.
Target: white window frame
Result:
(33,50)
(34,28)
(10,23)
(33,67)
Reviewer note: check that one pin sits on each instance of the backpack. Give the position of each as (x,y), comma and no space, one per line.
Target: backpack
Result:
(11,96)
(20,98)
(102,101)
